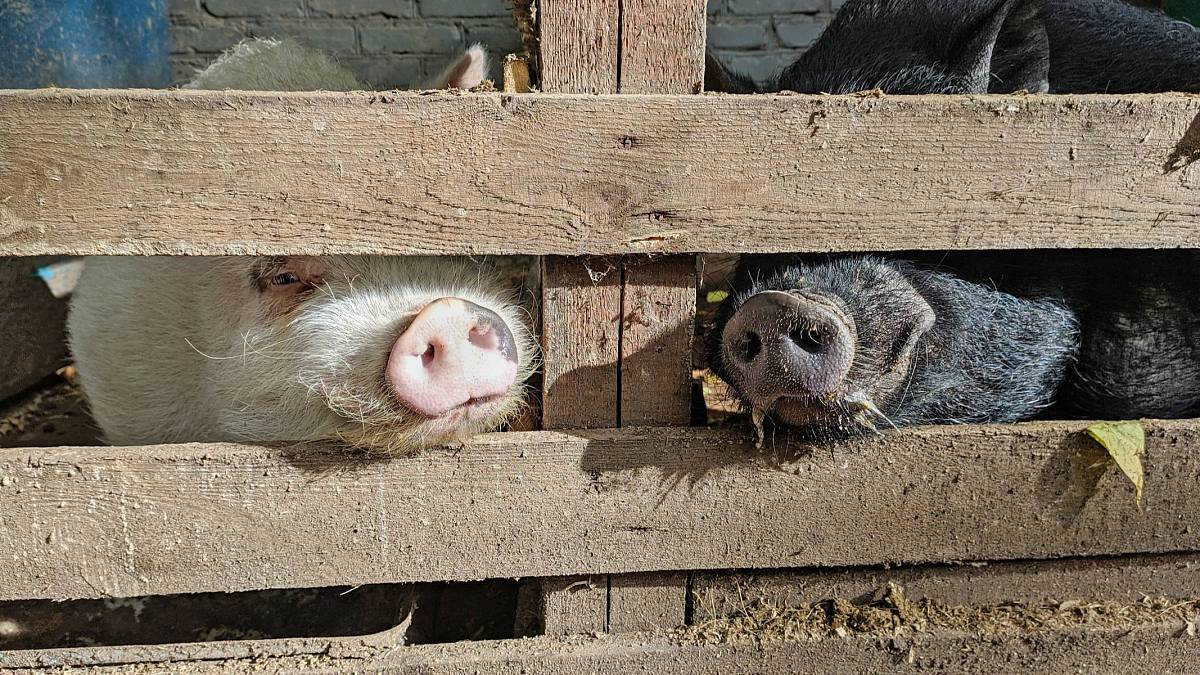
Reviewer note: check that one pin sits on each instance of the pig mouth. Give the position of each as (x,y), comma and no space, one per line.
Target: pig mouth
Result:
(842,415)
(474,410)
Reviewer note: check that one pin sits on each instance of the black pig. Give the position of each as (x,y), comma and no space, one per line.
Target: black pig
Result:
(842,345)
(846,344)
(975,46)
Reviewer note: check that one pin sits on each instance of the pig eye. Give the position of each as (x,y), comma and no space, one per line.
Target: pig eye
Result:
(285,279)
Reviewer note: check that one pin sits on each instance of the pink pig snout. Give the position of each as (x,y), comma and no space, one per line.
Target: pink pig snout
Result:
(453,352)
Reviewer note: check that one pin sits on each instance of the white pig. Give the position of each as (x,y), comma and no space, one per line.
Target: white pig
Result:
(385,353)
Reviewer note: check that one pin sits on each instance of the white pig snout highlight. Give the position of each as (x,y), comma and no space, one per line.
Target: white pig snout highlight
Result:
(454,352)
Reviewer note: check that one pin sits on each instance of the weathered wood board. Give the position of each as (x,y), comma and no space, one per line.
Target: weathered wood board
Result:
(657,322)
(662,46)
(1152,648)
(176,172)
(1126,579)
(581,342)
(95,522)
(580,45)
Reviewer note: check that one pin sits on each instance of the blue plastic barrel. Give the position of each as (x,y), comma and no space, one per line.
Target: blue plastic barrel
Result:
(84,43)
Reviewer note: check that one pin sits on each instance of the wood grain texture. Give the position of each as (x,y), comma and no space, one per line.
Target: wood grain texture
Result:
(658,319)
(187,173)
(1147,648)
(580,40)
(574,605)
(647,601)
(662,46)
(94,522)
(1110,579)
(33,326)
(581,315)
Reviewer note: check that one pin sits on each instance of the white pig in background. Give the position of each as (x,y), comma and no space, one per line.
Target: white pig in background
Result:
(385,353)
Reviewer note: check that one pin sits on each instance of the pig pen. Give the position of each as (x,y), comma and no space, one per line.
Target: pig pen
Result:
(622,533)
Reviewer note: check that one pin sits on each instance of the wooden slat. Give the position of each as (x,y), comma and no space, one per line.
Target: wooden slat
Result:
(658,318)
(647,601)
(1156,647)
(581,316)
(580,40)
(1111,579)
(234,172)
(93,522)
(572,605)
(662,46)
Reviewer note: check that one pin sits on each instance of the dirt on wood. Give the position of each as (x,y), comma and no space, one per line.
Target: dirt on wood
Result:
(890,614)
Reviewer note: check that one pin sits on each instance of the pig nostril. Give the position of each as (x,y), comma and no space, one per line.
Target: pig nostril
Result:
(750,347)
(428,356)
(811,340)
(484,337)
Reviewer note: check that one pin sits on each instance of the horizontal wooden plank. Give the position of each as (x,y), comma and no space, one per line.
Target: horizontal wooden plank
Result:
(1156,647)
(97,522)
(205,172)
(1125,579)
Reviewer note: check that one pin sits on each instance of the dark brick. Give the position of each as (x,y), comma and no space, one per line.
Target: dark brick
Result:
(387,72)
(396,9)
(758,65)
(799,31)
(203,39)
(423,38)
(183,7)
(737,35)
(776,6)
(463,8)
(252,8)
(716,6)
(326,36)
(499,39)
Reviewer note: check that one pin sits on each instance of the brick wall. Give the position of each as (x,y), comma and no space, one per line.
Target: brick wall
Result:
(398,43)
(388,43)
(759,37)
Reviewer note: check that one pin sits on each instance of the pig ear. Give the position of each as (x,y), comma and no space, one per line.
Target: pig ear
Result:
(1005,48)
(468,71)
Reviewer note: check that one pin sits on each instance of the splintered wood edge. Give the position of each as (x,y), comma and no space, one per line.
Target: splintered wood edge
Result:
(178,173)
(111,521)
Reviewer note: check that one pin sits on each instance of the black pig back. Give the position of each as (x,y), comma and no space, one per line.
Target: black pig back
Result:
(1139,320)
(1109,46)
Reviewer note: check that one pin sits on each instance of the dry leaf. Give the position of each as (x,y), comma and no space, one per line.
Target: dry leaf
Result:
(1125,443)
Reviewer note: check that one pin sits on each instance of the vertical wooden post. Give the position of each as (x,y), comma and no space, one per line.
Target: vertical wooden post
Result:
(662,52)
(580,43)
(617,334)
(658,313)
(581,315)
(581,301)
(662,46)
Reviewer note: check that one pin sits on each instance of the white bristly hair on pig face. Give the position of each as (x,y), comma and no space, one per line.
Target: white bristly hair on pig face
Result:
(255,349)
(325,345)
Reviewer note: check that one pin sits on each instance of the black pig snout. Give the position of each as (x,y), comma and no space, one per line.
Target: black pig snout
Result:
(787,344)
